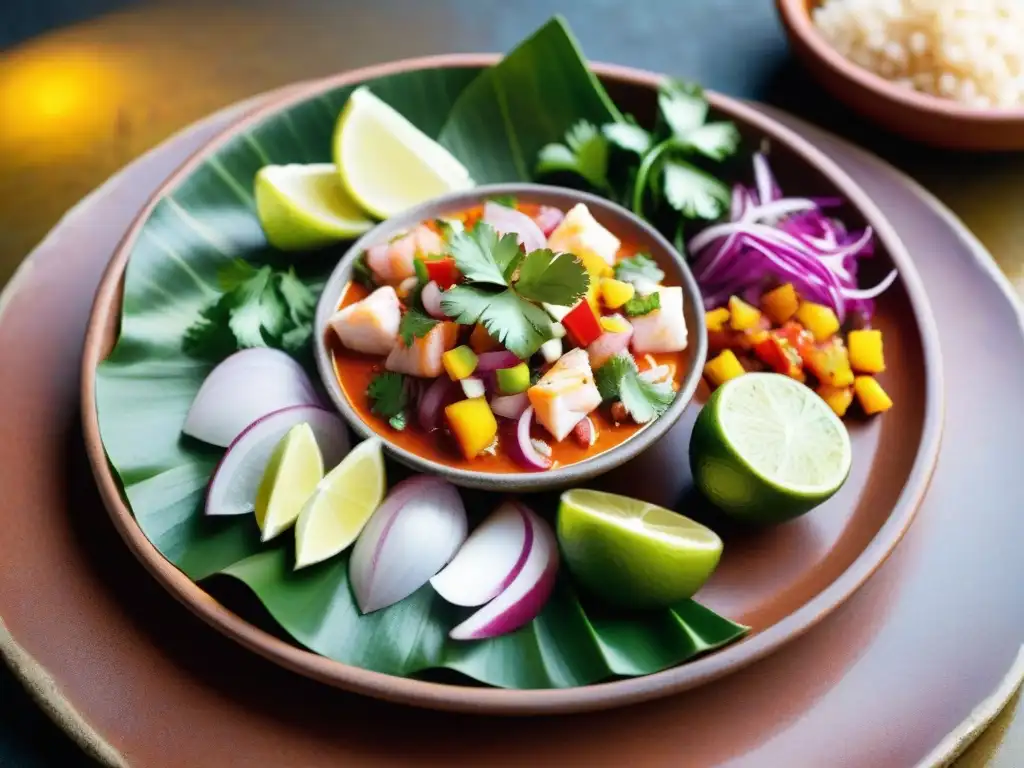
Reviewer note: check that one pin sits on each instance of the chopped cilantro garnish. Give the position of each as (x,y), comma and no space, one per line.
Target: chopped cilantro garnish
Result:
(642,305)
(619,379)
(261,307)
(483,257)
(585,153)
(629,137)
(388,398)
(362,273)
(640,266)
(693,192)
(496,297)
(555,278)
(520,326)
(415,325)
(682,105)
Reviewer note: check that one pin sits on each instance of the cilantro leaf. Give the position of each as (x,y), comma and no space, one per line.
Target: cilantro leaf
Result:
(585,153)
(248,308)
(715,140)
(682,105)
(362,273)
(388,398)
(694,193)
(644,400)
(608,376)
(482,256)
(628,136)
(260,307)
(555,278)
(300,301)
(619,379)
(415,325)
(521,327)
(639,266)
(642,305)
(209,337)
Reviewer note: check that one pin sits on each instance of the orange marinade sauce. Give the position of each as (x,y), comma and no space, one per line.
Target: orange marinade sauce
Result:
(355,371)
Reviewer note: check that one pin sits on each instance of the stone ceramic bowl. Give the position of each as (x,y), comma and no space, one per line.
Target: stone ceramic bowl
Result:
(617,219)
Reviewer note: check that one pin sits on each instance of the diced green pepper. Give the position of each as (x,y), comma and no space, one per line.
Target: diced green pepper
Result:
(512,381)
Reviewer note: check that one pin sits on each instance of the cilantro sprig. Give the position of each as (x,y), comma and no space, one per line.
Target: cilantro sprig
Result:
(662,174)
(260,307)
(502,286)
(619,379)
(389,398)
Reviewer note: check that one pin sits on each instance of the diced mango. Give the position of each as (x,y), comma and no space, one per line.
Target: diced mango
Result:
(866,351)
(838,398)
(473,425)
(481,341)
(820,320)
(614,324)
(459,362)
(715,319)
(780,304)
(870,395)
(830,363)
(724,367)
(741,315)
(615,293)
(596,266)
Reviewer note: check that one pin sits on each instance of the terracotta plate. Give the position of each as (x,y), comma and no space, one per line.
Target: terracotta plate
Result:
(923,641)
(779,582)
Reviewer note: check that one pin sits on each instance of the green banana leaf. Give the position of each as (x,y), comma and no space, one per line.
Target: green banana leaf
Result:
(495,121)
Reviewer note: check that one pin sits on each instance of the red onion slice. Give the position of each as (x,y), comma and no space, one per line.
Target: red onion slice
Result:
(505,220)
(492,361)
(510,406)
(521,447)
(548,218)
(441,393)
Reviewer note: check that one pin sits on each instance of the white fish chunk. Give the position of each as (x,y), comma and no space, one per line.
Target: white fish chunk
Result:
(371,324)
(392,262)
(582,235)
(565,394)
(423,358)
(664,329)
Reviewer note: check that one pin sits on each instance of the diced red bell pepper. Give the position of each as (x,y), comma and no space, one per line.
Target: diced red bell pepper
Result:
(443,272)
(782,350)
(582,325)
(830,363)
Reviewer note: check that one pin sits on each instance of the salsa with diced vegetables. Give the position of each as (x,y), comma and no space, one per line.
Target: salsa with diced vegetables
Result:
(509,337)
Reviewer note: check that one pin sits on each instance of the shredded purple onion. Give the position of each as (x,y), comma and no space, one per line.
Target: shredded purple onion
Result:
(774,239)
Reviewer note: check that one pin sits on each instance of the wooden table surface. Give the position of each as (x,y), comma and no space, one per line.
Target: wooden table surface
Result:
(79,103)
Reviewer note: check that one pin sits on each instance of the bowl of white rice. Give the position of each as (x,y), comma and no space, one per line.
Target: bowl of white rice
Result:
(948,73)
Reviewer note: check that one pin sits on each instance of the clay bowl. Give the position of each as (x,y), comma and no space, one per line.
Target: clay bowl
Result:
(917,116)
(779,582)
(619,221)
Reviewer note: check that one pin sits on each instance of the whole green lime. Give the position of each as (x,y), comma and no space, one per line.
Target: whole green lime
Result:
(766,449)
(633,554)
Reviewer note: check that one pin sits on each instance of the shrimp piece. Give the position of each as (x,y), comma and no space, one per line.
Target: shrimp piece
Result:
(423,357)
(392,262)
(371,324)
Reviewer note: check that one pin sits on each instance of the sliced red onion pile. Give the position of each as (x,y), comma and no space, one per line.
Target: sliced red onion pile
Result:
(771,238)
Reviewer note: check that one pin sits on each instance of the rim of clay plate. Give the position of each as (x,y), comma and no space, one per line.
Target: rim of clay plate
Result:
(797,14)
(620,221)
(101,335)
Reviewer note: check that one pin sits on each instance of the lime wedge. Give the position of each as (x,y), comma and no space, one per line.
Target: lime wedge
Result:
(302,207)
(388,164)
(341,504)
(765,448)
(292,473)
(631,553)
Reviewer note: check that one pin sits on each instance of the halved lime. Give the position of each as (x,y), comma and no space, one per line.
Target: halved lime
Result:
(292,473)
(302,207)
(341,504)
(765,448)
(388,164)
(631,553)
